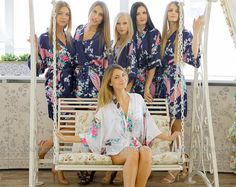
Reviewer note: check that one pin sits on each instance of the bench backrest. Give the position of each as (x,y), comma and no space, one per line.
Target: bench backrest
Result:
(75,115)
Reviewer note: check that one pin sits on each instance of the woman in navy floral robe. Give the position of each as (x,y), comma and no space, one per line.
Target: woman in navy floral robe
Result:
(124,52)
(92,41)
(147,42)
(170,87)
(64,65)
(65,61)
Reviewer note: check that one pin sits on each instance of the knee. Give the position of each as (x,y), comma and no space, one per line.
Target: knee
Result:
(145,155)
(133,155)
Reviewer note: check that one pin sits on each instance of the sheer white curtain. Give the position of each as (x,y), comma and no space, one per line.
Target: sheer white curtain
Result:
(229,8)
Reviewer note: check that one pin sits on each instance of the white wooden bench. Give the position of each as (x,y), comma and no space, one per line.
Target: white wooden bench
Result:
(70,112)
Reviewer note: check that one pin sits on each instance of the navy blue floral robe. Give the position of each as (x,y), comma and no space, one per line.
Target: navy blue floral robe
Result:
(148,57)
(91,64)
(167,80)
(65,62)
(127,59)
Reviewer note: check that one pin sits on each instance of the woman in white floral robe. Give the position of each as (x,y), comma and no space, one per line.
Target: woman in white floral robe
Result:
(122,128)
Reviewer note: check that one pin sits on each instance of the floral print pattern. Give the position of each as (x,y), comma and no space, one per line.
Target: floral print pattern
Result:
(91,64)
(110,134)
(148,56)
(167,81)
(84,159)
(127,59)
(65,63)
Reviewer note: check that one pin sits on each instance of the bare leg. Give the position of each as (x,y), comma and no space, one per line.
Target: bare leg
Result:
(108,177)
(118,180)
(130,158)
(176,126)
(171,175)
(59,175)
(145,163)
(44,147)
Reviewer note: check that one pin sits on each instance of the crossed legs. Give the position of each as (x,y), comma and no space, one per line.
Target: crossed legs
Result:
(137,165)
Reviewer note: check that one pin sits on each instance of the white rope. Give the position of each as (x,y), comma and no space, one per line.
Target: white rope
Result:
(55,140)
(181,27)
(179,79)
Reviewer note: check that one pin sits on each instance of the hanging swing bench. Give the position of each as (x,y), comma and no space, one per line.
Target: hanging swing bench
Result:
(75,115)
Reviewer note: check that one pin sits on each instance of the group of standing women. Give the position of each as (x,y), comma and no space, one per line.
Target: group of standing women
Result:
(149,59)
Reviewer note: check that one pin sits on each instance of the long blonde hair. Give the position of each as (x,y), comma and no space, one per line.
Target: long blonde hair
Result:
(104,27)
(67,29)
(129,34)
(165,30)
(106,91)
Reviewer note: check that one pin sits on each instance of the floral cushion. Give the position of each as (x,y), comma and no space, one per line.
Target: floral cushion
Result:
(97,159)
(165,158)
(83,120)
(157,145)
(84,158)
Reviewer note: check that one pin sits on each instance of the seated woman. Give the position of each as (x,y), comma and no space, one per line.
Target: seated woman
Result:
(122,128)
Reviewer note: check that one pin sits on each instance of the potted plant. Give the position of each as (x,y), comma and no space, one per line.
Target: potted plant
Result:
(13,65)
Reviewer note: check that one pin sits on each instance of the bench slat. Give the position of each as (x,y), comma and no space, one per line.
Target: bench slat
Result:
(113,167)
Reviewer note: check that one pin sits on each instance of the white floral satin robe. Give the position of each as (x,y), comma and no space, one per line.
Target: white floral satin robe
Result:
(111,131)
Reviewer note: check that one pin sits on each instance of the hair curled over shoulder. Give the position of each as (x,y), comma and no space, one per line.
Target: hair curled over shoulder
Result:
(106,91)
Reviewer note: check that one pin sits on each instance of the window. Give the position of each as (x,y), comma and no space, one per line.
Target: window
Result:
(42,13)
(2,32)
(21,27)
(221,51)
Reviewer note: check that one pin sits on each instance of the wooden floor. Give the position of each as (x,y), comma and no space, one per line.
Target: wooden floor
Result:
(19,178)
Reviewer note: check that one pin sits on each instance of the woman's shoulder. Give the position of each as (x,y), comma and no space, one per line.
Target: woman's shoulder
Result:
(80,27)
(104,111)
(44,40)
(44,36)
(187,33)
(137,97)
(154,31)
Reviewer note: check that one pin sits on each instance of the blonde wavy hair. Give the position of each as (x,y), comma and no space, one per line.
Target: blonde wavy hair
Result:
(106,91)
(104,27)
(165,30)
(67,29)
(129,34)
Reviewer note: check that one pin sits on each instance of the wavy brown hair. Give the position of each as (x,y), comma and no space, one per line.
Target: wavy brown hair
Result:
(165,30)
(67,29)
(104,27)
(106,91)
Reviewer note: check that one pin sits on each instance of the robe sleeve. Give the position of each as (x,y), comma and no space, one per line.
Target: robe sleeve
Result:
(155,56)
(133,62)
(43,55)
(187,50)
(94,137)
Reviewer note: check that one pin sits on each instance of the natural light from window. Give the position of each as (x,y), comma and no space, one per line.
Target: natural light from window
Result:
(221,51)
